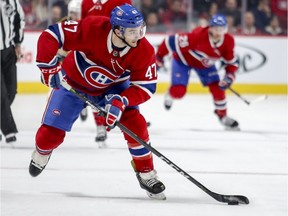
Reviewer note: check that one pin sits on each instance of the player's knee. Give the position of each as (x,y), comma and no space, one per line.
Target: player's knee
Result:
(178,91)
(49,138)
(135,121)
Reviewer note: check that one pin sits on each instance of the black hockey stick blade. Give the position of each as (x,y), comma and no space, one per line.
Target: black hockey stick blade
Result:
(236,199)
(230,199)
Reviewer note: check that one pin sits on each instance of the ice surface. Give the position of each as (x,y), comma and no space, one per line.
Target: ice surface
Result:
(83,180)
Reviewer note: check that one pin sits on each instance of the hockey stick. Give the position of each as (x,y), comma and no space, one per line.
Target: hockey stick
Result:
(230,199)
(260,98)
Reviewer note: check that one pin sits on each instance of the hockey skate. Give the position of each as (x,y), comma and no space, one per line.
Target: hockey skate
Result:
(10,138)
(228,123)
(149,182)
(38,163)
(168,101)
(84,114)
(101,136)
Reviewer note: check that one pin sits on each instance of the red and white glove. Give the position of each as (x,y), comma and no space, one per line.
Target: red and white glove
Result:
(115,105)
(227,81)
(51,75)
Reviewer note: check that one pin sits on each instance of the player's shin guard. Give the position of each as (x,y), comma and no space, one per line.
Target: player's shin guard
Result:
(47,139)
(221,107)
(174,92)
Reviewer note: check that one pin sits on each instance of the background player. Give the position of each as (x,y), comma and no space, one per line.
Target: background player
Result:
(74,13)
(112,72)
(199,50)
(74,9)
(99,8)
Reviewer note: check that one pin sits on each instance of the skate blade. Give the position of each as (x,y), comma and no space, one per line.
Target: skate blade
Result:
(159,196)
(102,144)
(232,129)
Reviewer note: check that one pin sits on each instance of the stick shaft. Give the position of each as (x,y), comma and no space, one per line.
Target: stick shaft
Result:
(238,95)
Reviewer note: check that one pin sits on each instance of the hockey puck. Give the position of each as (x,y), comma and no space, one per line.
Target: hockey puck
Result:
(233,203)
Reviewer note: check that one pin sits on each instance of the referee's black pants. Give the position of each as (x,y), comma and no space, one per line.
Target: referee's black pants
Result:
(8,89)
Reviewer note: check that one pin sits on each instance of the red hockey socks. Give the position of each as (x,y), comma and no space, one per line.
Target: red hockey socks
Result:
(142,157)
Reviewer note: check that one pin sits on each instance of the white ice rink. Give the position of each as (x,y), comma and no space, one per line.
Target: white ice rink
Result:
(83,180)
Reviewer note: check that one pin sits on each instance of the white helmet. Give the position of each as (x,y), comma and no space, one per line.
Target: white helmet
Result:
(74,6)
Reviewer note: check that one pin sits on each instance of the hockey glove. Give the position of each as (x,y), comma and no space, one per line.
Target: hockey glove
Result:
(51,76)
(227,81)
(115,105)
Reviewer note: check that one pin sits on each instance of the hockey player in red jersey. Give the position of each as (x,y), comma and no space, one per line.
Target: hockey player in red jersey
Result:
(199,50)
(99,8)
(107,65)
(74,9)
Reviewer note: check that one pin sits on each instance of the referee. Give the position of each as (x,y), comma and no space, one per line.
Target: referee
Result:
(11,33)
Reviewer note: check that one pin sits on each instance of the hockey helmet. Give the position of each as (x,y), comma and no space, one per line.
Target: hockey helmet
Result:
(127,16)
(74,6)
(218,20)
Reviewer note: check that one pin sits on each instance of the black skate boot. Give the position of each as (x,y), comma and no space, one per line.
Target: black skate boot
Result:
(168,101)
(38,163)
(10,138)
(149,182)
(228,123)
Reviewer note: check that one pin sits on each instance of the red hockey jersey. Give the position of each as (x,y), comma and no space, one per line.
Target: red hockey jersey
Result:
(100,7)
(93,65)
(197,50)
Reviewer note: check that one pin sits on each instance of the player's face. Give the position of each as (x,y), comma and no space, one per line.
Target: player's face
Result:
(74,16)
(218,32)
(132,35)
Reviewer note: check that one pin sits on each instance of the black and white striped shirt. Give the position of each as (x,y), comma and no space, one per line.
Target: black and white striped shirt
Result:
(12,23)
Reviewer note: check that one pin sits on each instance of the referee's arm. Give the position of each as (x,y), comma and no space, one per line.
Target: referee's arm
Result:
(19,23)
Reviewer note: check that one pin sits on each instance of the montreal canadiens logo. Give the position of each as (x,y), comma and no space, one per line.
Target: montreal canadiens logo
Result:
(119,13)
(207,62)
(99,77)
(56,112)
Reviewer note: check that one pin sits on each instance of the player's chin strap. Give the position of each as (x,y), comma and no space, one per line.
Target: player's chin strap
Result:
(230,199)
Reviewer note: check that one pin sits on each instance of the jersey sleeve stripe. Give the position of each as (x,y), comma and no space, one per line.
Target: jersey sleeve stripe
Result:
(61,33)
(49,64)
(56,33)
(150,89)
(171,43)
